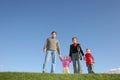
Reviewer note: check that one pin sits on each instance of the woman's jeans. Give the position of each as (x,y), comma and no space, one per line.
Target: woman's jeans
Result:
(50,53)
(76,63)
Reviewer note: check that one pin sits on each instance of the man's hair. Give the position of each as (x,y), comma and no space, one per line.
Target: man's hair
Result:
(53,32)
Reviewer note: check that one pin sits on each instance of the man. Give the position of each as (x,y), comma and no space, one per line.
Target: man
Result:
(76,54)
(51,48)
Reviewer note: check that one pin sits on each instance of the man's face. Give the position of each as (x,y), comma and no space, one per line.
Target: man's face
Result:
(54,35)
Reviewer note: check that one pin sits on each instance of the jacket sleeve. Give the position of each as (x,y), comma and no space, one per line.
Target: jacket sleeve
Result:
(92,57)
(70,51)
(61,58)
(70,59)
(58,48)
(45,45)
(81,51)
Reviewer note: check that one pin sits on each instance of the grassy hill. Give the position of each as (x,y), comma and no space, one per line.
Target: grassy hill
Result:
(48,76)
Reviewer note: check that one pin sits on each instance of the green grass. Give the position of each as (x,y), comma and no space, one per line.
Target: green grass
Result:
(48,76)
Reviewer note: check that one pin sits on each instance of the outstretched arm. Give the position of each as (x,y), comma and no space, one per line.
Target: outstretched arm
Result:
(70,59)
(58,48)
(60,58)
(45,45)
(70,51)
(93,60)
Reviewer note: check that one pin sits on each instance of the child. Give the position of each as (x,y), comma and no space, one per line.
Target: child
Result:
(65,62)
(89,61)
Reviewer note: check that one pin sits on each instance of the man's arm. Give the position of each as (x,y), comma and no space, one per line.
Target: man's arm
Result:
(61,58)
(58,48)
(45,46)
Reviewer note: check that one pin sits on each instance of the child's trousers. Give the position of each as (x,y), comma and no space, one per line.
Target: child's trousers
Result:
(66,70)
(90,68)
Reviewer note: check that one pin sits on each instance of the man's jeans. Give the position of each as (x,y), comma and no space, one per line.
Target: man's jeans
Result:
(90,68)
(76,63)
(50,53)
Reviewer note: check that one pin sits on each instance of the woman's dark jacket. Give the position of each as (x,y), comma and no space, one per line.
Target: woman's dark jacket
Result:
(76,50)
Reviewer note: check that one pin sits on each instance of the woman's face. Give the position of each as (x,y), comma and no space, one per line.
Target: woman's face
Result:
(74,40)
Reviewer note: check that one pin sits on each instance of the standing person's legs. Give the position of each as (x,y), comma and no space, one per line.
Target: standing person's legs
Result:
(63,71)
(47,57)
(79,65)
(90,68)
(74,62)
(53,61)
(66,70)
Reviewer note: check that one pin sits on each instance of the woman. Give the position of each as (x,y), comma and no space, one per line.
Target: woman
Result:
(76,54)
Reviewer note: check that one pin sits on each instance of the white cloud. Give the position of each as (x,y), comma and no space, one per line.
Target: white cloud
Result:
(115,70)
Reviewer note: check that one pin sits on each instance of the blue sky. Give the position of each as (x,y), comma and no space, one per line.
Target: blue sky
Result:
(25,25)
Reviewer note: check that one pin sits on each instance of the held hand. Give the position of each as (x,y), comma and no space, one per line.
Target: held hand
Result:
(84,58)
(44,50)
(93,62)
(60,55)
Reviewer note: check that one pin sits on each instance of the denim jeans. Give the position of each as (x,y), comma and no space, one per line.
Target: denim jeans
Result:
(76,63)
(50,53)
(90,68)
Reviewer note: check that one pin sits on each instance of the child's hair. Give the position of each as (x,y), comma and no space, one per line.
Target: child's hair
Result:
(87,49)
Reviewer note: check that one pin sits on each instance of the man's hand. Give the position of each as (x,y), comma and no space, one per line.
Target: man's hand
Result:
(60,55)
(44,50)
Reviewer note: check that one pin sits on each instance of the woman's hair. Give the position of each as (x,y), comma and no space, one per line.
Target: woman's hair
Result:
(74,38)
(53,32)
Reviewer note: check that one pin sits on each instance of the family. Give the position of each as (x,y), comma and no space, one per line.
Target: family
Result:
(51,48)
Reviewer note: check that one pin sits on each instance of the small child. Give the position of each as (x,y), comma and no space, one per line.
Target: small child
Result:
(65,62)
(89,61)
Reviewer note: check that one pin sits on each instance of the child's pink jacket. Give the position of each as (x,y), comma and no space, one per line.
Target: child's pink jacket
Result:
(65,62)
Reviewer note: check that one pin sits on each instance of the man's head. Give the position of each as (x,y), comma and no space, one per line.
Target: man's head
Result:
(54,34)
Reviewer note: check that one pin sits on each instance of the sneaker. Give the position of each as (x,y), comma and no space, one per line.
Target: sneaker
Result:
(43,72)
